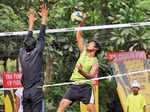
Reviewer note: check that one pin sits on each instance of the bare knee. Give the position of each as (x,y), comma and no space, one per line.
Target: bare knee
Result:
(63,105)
(91,108)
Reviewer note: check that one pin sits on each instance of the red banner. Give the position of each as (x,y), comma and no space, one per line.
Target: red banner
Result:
(125,56)
(12,80)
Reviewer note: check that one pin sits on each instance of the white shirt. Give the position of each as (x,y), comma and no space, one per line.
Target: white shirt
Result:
(19,93)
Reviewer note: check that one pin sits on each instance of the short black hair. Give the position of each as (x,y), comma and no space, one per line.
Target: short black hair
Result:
(29,44)
(97,45)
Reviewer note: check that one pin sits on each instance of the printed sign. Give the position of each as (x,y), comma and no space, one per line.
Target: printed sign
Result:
(126,62)
(12,80)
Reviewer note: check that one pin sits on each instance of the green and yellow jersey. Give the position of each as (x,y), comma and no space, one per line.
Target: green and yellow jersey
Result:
(86,63)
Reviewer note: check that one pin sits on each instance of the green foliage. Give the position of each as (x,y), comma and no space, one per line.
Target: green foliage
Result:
(144,5)
(108,96)
(9,21)
(126,39)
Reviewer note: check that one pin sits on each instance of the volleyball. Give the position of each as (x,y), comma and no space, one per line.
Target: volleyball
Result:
(77,17)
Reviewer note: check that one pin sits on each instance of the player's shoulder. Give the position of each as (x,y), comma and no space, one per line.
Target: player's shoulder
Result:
(84,52)
(96,63)
(140,95)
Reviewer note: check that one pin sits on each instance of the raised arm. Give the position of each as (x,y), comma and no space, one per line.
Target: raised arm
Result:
(79,37)
(32,19)
(41,40)
(44,14)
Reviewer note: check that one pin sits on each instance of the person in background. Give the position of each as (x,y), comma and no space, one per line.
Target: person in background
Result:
(135,101)
(19,98)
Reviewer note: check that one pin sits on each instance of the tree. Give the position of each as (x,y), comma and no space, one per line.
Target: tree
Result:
(9,22)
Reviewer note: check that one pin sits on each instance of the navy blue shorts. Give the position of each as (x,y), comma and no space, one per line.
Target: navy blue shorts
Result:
(83,93)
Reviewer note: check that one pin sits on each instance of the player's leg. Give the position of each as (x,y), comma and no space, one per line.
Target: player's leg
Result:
(26,101)
(91,108)
(37,99)
(63,105)
(87,97)
(70,96)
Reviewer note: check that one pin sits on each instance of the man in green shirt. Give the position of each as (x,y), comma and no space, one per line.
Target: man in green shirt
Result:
(136,102)
(86,68)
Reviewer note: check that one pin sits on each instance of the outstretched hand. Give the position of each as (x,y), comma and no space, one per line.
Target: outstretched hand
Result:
(31,17)
(83,21)
(79,67)
(44,11)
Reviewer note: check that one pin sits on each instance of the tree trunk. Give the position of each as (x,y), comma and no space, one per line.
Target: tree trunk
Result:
(48,69)
(17,65)
(5,65)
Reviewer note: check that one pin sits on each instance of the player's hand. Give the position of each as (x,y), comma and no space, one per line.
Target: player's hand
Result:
(84,15)
(79,67)
(44,11)
(83,21)
(31,17)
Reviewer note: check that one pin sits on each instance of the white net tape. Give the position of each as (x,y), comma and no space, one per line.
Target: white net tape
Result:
(100,78)
(79,28)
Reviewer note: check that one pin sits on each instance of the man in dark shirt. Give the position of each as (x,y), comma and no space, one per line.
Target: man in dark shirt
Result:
(31,58)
